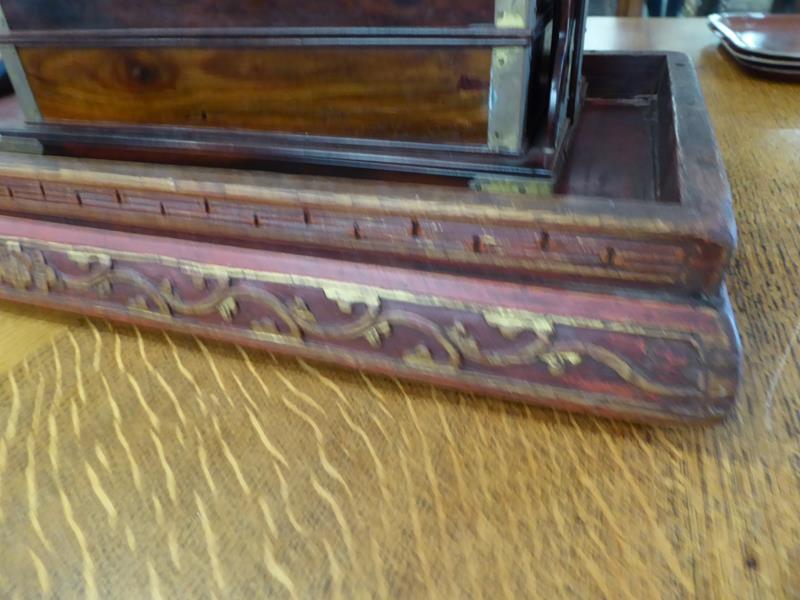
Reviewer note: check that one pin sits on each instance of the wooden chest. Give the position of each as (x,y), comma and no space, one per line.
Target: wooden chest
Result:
(471,88)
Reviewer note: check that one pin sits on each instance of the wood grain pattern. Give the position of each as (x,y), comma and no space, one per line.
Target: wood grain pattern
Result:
(24,330)
(422,94)
(115,487)
(111,14)
(464,100)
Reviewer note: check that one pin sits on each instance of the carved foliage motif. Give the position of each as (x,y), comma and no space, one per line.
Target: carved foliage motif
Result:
(25,270)
(529,339)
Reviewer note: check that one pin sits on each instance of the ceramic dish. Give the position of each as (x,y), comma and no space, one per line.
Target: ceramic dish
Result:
(760,35)
(759,62)
(784,73)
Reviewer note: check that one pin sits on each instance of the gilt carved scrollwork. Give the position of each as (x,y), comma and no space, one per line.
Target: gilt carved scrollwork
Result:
(443,344)
(25,270)
(557,355)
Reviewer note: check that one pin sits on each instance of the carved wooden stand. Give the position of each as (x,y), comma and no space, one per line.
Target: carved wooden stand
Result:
(614,307)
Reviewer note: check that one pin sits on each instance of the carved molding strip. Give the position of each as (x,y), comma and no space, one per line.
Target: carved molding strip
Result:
(550,251)
(444,344)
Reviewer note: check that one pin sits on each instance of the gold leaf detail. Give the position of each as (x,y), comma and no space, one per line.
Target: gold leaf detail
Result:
(44,277)
(420,357)
(375,335)
(345,307)
(265,325)
(206,270)
(557,362)
(86,259)
(16,271)
(199,282)
(302,312)
(346,296)
(139,303)
(228,309)
(466,342)
(25,270)
(511,322)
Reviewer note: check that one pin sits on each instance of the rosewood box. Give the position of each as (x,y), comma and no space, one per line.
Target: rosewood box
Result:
(469,89)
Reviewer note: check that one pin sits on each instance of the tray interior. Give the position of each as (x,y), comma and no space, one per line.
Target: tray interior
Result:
(624,146)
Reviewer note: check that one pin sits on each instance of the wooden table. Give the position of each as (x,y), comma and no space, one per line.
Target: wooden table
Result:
(132,463)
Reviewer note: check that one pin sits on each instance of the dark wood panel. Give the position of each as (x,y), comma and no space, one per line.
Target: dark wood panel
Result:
(101,14)
(416,94)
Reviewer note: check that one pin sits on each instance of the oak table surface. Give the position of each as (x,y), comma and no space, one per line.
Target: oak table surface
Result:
(134,463)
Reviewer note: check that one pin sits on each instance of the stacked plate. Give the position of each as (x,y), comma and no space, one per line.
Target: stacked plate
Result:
(767,44)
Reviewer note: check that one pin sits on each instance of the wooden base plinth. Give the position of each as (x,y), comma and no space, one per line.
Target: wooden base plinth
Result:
(634,357)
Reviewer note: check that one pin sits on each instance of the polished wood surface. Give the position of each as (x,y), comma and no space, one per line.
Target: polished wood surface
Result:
(197,86)
(422,94)
(105,14)
(137,464)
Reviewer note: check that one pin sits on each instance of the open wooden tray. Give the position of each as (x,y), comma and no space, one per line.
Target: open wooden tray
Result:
(607,297)
(643,199)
